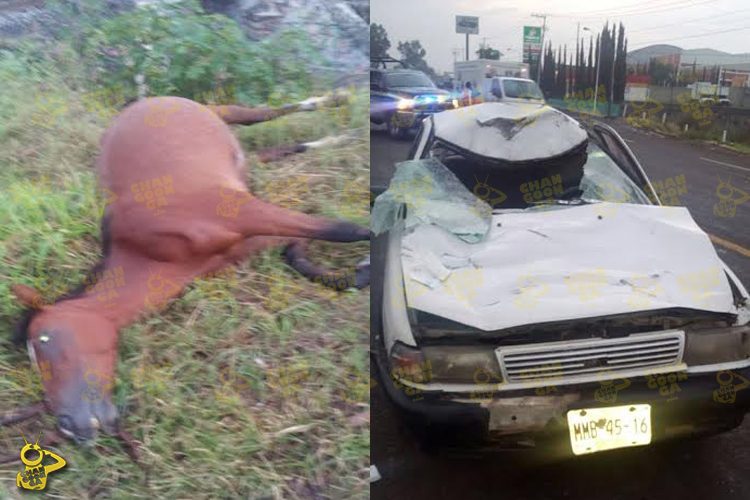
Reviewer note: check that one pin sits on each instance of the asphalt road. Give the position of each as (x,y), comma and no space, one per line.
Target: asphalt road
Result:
(717,467)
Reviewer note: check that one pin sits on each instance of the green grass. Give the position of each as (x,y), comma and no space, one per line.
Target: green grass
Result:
(695,133)
(250,384)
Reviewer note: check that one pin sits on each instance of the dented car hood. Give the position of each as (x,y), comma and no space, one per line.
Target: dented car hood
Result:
(565,262)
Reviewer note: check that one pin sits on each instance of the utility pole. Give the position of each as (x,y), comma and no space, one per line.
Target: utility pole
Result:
(598,65)
(541,49)
(612,77)
(456,53)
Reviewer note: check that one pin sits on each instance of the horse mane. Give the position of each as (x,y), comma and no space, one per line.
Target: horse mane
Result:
(21,328)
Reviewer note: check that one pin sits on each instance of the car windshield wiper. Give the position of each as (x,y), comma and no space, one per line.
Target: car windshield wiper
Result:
(571,196)
(558,201)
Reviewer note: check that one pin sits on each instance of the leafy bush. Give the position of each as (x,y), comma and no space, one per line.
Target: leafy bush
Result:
(181,50)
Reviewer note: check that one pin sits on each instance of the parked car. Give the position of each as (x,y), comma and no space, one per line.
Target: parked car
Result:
(401,98)
(507,89)
(589,317)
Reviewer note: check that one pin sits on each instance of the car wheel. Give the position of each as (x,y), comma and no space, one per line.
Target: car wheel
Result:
(394,130)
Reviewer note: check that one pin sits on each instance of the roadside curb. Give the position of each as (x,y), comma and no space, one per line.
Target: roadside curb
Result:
(704,142)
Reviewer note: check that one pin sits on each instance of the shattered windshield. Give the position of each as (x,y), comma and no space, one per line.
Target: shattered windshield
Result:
(589,175)
(410,79)
(522,89)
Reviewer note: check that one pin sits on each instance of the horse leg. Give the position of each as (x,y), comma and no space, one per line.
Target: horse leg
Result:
(251,216)
(295,255)
(242,115)
(278,152)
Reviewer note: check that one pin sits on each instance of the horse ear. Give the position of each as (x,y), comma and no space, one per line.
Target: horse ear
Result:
(28,296)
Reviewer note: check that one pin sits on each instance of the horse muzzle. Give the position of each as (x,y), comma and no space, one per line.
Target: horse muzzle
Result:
(83,422)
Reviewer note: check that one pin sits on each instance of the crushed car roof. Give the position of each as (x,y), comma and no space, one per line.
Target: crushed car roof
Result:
(513,132)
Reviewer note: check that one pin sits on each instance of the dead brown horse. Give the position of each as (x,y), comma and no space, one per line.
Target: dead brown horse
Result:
(179,209)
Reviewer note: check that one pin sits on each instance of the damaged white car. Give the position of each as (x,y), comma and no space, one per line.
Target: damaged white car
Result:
(530,288)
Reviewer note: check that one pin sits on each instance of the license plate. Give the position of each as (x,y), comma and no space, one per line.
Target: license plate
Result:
(599,429)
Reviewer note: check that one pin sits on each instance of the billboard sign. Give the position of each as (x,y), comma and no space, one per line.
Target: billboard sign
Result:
(532,43)
(467,24)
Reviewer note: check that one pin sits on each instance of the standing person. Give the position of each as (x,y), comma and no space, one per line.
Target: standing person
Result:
(468,94)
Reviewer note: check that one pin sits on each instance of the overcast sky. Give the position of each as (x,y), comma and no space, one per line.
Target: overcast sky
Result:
(675,22)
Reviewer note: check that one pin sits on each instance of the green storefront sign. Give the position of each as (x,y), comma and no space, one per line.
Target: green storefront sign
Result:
(532,43)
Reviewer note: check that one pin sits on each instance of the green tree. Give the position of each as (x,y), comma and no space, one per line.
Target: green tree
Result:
(379,43)
(488,52)
(660,73)
(413,54)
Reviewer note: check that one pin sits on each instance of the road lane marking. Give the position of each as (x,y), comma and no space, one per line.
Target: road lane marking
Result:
(730,245)
(726,164)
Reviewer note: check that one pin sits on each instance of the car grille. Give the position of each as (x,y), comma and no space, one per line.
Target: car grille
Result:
(569,360)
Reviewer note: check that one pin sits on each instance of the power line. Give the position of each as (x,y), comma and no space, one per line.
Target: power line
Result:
(651,42)
(636,7)
(639,12)
(687,21)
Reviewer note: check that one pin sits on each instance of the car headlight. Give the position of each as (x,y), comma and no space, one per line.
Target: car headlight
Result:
(447,364)
(463,364)
(711,346)
(404,104)
(441,99)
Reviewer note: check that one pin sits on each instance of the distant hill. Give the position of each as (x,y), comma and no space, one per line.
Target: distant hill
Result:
(701,57)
